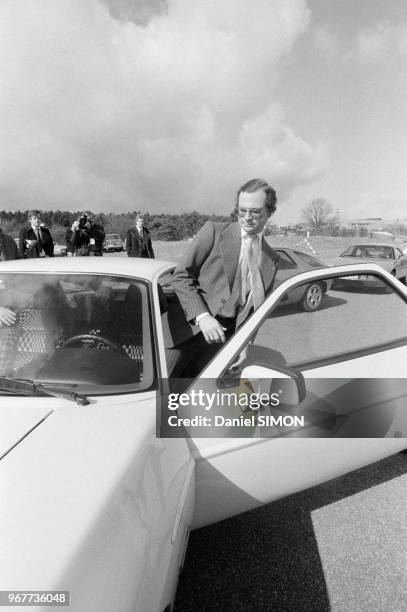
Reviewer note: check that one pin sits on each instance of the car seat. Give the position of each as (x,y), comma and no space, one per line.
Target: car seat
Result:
(127,326)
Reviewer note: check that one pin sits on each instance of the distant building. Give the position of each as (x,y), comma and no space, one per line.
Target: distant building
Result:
(370,223)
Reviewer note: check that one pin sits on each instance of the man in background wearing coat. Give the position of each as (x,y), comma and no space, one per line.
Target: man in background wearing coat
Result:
(8,247)
(138,241)
(35,240)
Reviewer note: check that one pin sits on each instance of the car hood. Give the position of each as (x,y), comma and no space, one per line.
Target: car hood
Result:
(20,416)
(18,420)
(342,261)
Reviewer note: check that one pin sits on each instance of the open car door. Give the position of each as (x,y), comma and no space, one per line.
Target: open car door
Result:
(337,379)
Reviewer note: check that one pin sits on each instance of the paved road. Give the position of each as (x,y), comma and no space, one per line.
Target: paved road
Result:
(336,547)
(347,321)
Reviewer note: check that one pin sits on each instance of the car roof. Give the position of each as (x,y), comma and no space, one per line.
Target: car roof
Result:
(367,244)
(128,266)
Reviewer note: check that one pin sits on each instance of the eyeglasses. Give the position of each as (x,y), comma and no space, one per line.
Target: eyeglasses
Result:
(253,212)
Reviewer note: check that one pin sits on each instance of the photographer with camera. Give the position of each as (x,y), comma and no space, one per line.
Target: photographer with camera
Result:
(84,237)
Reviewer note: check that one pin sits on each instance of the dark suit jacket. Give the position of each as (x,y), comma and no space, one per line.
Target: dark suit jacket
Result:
(79,239)
(203,280)
(27,233)
(8,247)
(139,246)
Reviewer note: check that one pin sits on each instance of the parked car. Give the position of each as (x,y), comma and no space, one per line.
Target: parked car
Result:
(60,250)
(293,262)
(113,243)
(388,256)
(94,501)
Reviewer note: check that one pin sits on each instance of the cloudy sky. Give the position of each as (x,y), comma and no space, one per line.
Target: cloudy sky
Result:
(170,105)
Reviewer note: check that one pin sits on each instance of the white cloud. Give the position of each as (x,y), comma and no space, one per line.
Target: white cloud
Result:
(172,107)
(290,160)
(325,42)
(378,44)
(374,44)
(402,42)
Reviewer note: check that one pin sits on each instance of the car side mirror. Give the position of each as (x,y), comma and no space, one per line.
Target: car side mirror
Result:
(288,384)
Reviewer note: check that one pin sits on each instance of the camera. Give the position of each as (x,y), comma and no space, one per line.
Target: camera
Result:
(83,219)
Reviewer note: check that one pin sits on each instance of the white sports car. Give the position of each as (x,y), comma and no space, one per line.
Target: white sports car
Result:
(93,501)
(388,256)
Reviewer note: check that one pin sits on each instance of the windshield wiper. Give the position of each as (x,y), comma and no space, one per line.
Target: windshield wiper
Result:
(29,387)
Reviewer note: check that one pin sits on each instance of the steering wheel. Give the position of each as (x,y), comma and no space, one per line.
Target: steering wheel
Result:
(83,338)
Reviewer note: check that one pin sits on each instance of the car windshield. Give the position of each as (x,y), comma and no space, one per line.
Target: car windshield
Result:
(89,330)
(369,250)
(113,236)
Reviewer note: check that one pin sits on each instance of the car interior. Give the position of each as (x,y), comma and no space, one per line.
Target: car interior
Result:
(81,330)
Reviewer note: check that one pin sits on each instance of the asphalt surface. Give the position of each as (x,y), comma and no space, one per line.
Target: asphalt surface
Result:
(312,551)
(347,320)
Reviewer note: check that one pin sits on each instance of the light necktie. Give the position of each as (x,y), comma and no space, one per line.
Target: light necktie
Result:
(252,283)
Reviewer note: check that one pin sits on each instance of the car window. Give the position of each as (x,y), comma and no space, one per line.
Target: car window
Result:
(388,252)
(308,259)
(79,329)
(359,314)
(286,262)
(353,251)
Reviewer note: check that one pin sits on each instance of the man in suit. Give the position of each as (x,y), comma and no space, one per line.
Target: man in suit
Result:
(35,240)
(226,273)
(138,241)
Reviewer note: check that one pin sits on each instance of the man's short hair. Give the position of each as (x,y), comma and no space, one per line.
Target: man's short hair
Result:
(255,185)
(33,213)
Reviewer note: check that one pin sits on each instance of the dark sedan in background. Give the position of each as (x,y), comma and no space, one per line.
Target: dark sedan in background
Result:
(294,262)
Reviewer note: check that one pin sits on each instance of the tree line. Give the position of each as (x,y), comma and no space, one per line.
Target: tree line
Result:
(318,216)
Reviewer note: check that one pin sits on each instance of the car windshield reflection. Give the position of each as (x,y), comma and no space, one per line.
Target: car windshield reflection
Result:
(81,329)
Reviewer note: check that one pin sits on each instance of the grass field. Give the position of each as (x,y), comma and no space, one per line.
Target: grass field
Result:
(324,246)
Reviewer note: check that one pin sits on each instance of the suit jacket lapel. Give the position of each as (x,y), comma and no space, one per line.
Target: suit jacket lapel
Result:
(268,264)
(229,244)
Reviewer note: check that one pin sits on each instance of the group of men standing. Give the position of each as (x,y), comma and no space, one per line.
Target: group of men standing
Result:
(84,237)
